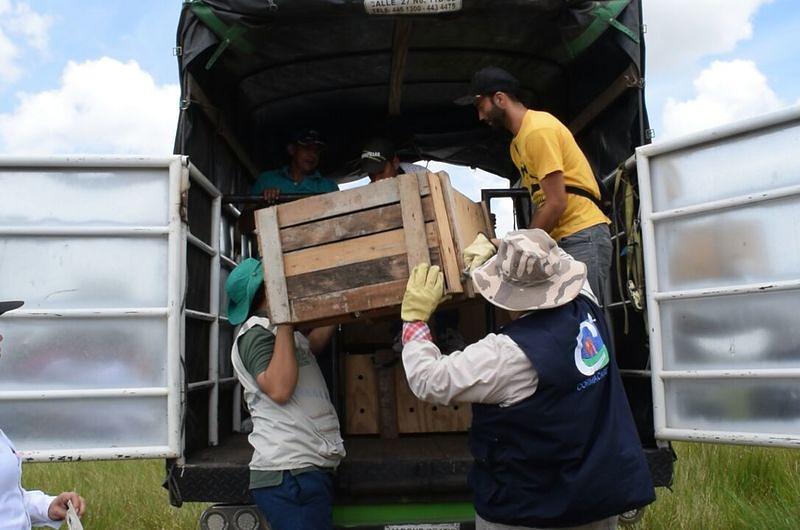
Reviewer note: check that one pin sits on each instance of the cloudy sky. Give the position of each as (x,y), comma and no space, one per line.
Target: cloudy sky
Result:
(98,76)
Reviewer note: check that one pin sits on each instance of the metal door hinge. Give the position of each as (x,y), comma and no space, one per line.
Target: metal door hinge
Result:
(634,81)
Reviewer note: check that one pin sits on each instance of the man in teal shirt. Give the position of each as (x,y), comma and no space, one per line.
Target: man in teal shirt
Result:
(301,174)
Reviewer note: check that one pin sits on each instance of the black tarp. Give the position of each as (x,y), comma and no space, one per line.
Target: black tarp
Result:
(268,67)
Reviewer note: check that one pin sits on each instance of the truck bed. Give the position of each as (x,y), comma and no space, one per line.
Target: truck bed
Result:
(407,469)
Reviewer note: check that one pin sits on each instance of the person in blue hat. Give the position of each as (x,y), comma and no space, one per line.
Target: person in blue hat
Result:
(296,439)
(300,175)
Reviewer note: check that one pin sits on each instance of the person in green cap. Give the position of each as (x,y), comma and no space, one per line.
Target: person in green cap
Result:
(296,439)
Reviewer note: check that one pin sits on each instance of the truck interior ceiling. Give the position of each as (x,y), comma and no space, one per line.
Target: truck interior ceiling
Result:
(253,71)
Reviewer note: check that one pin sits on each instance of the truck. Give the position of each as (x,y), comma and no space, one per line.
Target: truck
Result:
(121,259)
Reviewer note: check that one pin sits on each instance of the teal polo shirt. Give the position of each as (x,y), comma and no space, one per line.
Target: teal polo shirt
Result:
(281,178)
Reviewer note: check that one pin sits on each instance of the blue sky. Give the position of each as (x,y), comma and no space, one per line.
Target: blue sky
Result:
(143,31)
(99,76)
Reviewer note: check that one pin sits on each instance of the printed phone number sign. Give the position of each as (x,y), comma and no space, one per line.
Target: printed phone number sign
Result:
(411,7)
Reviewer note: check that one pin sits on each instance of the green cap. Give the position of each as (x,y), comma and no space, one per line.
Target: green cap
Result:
(242,284)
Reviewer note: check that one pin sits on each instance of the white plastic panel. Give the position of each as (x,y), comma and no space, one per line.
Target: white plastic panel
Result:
(62,272)
(81,353)
(75,424)
(734,246)
(715,170)
(747,331)
(115,197)
(96,248)
(720,215)
(744,405)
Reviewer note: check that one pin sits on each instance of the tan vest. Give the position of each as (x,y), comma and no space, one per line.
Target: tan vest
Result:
(300,433)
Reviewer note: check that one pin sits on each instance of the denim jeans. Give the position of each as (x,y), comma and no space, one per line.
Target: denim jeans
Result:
(301,502)
(593,247)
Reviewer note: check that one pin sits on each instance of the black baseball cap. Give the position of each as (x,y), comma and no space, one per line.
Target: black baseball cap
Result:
(375,154)
(487,81)
(307,137)
(10,306)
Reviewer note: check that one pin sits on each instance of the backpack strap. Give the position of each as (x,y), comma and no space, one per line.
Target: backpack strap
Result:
(575,191)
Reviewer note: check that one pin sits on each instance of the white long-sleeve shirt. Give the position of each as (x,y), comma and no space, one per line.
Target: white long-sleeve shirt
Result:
(493,370)
(19,509)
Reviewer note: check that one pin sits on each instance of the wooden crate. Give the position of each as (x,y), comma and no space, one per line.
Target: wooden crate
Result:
(392,410)
(333,257)
(415,416)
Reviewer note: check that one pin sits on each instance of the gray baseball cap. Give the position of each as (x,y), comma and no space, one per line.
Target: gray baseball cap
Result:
(375,154)
(529,272)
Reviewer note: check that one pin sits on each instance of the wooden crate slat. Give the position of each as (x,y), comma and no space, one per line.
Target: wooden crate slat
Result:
(346,277)
(452,272)
(385,363)
(272,262)
(415,416)
(344,202)
(487,219)
(471,220)
(359,224)
(413,221)
(392,308)
(345,302)
(361,395)
(350,251)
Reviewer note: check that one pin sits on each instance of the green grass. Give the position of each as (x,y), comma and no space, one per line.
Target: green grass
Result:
(716,487)
(729,488)
(120,494)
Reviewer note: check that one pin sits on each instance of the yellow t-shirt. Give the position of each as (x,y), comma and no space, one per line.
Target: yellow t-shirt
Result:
(544,145)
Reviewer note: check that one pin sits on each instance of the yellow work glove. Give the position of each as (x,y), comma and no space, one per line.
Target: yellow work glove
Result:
(424,291)
(476,254)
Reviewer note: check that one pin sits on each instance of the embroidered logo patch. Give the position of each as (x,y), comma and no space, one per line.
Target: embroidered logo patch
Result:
(591,353)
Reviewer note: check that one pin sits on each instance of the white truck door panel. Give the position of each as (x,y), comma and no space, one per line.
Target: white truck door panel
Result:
(96,247)
(720,215)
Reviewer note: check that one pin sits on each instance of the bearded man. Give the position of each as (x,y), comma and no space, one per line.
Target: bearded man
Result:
(553,169)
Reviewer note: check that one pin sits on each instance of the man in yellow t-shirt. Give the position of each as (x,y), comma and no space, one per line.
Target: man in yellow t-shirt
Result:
(552,167)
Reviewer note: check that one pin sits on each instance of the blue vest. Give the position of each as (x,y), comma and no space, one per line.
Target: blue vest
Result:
(569,454)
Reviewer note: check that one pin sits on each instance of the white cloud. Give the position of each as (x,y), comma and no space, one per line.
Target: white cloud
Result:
(726,91)
(679,32)
(31,25)
(101,107)
(9,71)
(29,28)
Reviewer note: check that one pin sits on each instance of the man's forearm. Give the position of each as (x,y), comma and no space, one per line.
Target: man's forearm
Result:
(549,212)
(319,338)
(279,380)
(546,217)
